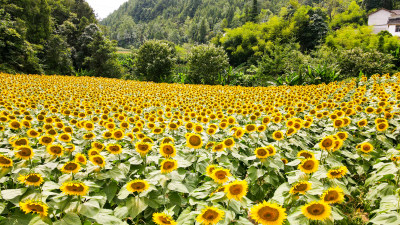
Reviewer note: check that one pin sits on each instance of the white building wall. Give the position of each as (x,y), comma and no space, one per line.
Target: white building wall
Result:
(392,30)
(379,20)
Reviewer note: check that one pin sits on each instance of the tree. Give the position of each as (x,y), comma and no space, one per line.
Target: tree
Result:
(57,56)
(254,11)
(155,61)
(202,31)
(206,64)
(375,4)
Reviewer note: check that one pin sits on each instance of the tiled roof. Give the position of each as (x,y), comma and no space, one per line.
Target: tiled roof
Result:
(396,11)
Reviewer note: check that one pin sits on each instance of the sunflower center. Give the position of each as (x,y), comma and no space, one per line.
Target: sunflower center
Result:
(168,150)
(251,127)
(228,142)
(117,134)
(278,135)
(164,220)
(114,148)
(194,140)
(25,152)
(210,215)
(308,165)
(143,147)
(331,196)
(138,185)
(316,209)
(65,137)
(98,160)
(21,142)
(55,149)
(327,143)
(168,165)
(236,189)
(46,140)
(71,166)
(306,155)
(268,213)
(33,178)
(301,187)
(4,160)
(76,188)
(35,208)
(262,152)
(220,175)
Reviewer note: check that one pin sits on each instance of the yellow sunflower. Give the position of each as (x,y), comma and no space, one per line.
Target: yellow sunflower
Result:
(268,213)
(342,135)
(337,173)
(306,154)
(118,134)
(300,187)
(74,188)
(114,149)
(277,135)
(143,147)
(210,169)
(362,123)
(5,161)
(80,158)
(31,206)
(163,219)
(168,165)
(24,152)
(194,141)
(46,140)
(366,147)
(32,133)
(316,210)
(97,160)
(70,167)
(239,132)
(309,165)
(220,175)
(210,216)
(65,137)
(137,186)
(229,143)
(261,153)
(55,150)
(382,126)
(236,189)
(333,195)
(168,150)
(327,143)
(31,179)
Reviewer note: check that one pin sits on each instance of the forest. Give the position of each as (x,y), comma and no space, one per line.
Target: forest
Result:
(236,42)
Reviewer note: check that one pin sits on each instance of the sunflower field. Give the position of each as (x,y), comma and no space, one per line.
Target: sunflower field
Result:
(85,150)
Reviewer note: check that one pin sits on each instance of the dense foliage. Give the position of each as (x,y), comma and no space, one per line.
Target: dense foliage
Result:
(85,150)
(54,37)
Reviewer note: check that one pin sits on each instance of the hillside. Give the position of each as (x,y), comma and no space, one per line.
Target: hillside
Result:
(183,21)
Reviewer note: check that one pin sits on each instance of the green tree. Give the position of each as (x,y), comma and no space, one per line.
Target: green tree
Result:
(254,11)
(207,64)
(353,16)
(57,56)
(155,61)
(375,4)
(202,31)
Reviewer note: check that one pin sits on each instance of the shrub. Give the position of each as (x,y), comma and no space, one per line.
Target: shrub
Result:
(206,64)
(155,61)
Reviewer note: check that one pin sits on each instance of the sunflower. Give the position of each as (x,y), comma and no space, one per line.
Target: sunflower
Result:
(97,160)
(210,215)
(271,150)
(97,145)
(306,154)
(24,152)
(93,152)
(107,135)
(89,136)
(55,150)
(277,135)
(163,219)
(114,149)
(261,153)
(168,150)
(31,179)
(316,210)
(137,186)
(210,169)
(168,165)
(31,206)
(326,143)
(194,141)
(333,195)
(118,134)
(290,131)
(15,125)
(167,140)
(229,143)
(157,130)
(382,126)
(143,147)
(74,188)
(236,189)
(80,158)
(218,147)
(366,147)
(362,123)
(5,161)
(220,175)
(342,135)
(32,133)
(239,132)
(250,128)
(309,165)
(300,187)
(268,213)
(20,142)
(261,128)
(284,160)
(65,137)
(337,173)
(70,167)
(46,140)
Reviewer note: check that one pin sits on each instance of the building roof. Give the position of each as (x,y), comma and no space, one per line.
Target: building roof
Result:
(394,20)
(397,11)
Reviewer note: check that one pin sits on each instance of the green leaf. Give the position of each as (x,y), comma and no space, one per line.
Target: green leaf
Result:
(90,208)
(391,218)
(69,219)
(243,221)
(12,194)
(187,217)
(110,189)
(177,186)
(135,205)
(105,217)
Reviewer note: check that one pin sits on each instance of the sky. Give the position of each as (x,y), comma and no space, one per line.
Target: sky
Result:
(102,8)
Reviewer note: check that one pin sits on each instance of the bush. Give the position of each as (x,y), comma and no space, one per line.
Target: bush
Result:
(206,64)
(155,61)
